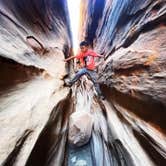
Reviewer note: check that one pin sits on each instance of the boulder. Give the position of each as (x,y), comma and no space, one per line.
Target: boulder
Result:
(80,128)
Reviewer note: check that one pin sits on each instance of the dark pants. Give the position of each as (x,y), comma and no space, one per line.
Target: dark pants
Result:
(92,76)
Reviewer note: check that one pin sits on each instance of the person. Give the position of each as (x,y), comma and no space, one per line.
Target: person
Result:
(88,66)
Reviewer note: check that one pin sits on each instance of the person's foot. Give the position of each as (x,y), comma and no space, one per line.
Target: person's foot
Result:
(68,83)
(102,97)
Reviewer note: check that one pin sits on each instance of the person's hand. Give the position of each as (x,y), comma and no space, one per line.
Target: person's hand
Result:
(65,60)
(100,56)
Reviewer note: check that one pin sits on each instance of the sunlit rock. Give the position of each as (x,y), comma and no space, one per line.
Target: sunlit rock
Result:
(131,36)
(80,128)
(35,39)
(37,122)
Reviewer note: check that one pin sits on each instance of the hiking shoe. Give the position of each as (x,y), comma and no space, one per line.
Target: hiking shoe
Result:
(68,83)
(102,97)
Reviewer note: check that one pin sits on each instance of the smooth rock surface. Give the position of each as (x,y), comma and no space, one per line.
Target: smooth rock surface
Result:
(80,128)
(128,127)
(131,36)
(31,84)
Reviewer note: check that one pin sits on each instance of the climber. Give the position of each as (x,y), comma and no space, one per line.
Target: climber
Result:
(87,63)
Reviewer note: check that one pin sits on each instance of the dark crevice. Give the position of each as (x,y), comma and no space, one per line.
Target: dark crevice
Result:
(13,73)
(139,68)
(96,12)
(11,20)
(110,53)
(145,28)
(14,154)
(122,155)
(145,107)
(48,145)
(154,24)
(148,144)
(158,6)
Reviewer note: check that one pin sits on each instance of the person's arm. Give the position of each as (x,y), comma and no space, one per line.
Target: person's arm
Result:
(100,56)
(72,57)
(78,56)
(96,55)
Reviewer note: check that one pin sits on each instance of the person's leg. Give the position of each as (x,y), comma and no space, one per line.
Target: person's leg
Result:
(93,77)
(80,73)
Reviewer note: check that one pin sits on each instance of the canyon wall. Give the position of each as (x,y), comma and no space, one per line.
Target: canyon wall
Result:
(127,128)
(35,38)
(131,36)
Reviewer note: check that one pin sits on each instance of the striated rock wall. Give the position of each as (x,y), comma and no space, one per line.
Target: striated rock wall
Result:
(35,37)
(131,36)
(128,127)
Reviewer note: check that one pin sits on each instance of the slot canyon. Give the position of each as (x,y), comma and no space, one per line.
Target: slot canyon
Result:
(45,123)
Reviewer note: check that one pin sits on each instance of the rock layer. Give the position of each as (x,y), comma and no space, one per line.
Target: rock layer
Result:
(128,127)
(131,36)
(31,78)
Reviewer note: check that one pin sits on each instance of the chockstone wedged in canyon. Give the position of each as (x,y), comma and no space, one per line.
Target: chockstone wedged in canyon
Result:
(44,123)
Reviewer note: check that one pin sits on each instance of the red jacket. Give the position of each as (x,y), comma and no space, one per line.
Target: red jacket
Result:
(87,58)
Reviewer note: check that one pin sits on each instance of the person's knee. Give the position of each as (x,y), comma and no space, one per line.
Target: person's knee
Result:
(82,70)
